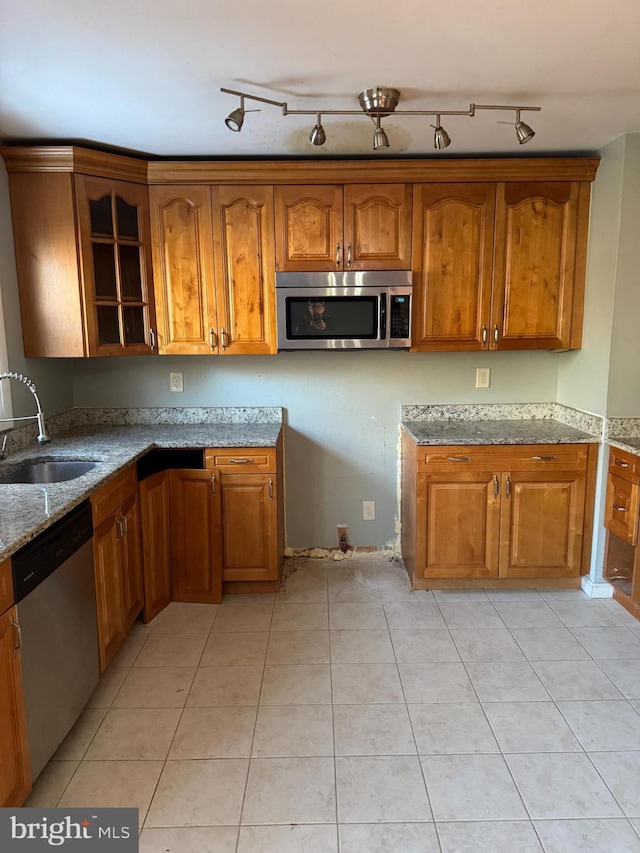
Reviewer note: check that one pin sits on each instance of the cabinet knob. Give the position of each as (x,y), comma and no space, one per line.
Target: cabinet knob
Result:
(620,508)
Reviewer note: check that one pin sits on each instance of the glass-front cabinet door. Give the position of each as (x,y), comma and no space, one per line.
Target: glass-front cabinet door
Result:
(115,255)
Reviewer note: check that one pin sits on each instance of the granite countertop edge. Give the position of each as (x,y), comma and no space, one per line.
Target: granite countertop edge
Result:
(511,432)
(629,443)
(27,510)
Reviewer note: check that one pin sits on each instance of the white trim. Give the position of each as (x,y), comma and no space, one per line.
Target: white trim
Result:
(596,590)
(6,408)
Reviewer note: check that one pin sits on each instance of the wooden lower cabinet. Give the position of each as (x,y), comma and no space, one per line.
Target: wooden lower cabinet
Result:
(155,531)
(118,566)
(498,513)
(196,536)
(250,527)
(15,778)
(622,520)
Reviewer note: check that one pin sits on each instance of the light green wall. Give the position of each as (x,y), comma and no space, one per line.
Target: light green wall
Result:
(52,376)
(342,411)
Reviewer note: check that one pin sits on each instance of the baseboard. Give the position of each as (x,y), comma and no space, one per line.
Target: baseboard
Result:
(596,590)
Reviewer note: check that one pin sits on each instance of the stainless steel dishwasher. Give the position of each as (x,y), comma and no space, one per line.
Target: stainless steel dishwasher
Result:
(53,578)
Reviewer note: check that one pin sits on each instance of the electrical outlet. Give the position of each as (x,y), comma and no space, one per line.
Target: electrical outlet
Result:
(369,510)
(483,377)
(176,382)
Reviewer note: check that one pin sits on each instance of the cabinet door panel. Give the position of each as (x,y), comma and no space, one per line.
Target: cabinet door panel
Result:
(541,526)
(245,285)
(182,230)
(377,226)
(131,562)
(196,536)
(534,266)
(15,779)
(113,225)
(155,529)
(457,525)
(109,590)
(308,228)
(621,509)
(452,254)
(250,519)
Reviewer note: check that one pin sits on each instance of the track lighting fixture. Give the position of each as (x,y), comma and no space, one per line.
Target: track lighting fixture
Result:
(317,135)
(377,103)
(380,139)
(441,138)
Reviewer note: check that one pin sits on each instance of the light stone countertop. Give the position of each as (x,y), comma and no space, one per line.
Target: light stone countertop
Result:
(479,432)
(629,443)
(26,510)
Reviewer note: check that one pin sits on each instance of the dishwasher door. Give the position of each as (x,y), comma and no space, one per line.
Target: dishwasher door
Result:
(60,660)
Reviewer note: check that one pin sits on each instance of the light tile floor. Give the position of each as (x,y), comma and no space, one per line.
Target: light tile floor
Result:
(349,713)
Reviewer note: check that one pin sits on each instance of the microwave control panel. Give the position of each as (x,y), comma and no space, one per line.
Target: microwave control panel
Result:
(400,316)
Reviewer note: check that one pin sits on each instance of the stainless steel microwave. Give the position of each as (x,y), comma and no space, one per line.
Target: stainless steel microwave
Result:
(344,310)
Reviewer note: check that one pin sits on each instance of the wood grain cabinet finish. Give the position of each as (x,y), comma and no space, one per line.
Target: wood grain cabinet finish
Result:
(497,512)
(155,533)
(213,261)
(196,536)
(499,266)
(15,778)
(118,563)
(356,227)
(84,265)
(250,527)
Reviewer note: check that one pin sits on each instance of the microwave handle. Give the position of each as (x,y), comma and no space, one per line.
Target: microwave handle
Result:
(383,316)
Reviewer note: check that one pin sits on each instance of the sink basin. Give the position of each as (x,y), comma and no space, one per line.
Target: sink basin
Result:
(47,471)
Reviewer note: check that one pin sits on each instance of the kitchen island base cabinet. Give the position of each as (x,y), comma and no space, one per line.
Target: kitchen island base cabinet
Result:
(15,778)
(497,515)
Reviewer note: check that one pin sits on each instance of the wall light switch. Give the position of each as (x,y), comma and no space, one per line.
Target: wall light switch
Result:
(483,377)
(176,382)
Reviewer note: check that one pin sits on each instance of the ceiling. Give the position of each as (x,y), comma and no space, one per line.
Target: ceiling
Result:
(145,75)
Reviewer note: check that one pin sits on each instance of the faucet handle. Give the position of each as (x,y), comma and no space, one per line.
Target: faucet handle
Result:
(3,446)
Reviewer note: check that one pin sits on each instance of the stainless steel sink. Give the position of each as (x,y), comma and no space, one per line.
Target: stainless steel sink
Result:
(47,471)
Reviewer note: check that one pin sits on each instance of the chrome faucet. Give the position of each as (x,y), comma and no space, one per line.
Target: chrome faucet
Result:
(43,437)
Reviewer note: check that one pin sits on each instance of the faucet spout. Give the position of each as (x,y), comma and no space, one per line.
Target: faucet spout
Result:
(43,437)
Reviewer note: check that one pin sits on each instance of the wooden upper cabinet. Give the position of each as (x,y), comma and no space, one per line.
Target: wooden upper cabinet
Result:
(245,263)
(351,227)
(182,240)
(377,227)
(308,228)
(452,254)
(534,274)
(15,779)
(113,223)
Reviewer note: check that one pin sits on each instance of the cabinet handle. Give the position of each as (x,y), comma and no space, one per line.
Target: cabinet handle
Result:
(120,533)
(496,335)
(223,338)
(458,459)
(496,486)
(349,255)
(543,458)
(508,491)
(125,522)
(18,630)
(338,255)
(484,333)
(152,339)
(270,488)
(620,508)
(622,464)
(212,339)
(213,484)
(245,461)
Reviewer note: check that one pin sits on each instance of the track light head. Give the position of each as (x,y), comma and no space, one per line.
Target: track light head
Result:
(523,132)
(235,119)
(317,135)
(380,138)
(441,138)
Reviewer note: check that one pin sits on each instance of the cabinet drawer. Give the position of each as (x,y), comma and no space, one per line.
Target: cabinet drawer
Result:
(107,499)
(625,465)
(521,457)
(242,460)
(621,511)
(6,586)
